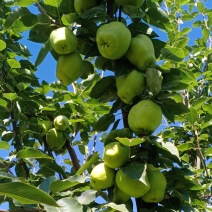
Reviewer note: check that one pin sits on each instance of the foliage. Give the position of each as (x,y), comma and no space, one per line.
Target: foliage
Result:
(182,145)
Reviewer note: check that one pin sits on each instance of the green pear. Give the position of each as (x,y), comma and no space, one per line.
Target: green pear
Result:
(136,3)
(132,187)
(113,39)
(63,40)
(61,122)
(153,80)
(119,196)
(130,85)
(144,117)
(116,155)
(69,68)
(141,52)
(157,189)
(84,5)
(55,139)
(102,176)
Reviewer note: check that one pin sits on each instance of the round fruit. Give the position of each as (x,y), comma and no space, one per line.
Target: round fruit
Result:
(136,3)
(157,189)
(113,40)
(132,187)
(84,5)
(116,154)
(69,68)
(102,176)
(144,117)
(119,196)
(130,85)
(61,122)
(55,139)
(141,52)
(63,40)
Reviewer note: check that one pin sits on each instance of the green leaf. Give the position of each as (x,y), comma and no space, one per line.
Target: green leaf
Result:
(4,145)
(3,103)
(91,160)
(4,175)
(208,152)
(32,153)
(53,3)
(61,185)
(45,185)
(173,53)
(201,7)
(171,148)
(2,45)
(87,197)
(104,122)
(26,194)
(197,103)
(120,207)
(25,3)
(10,96)
(185,147)
(42,53)
(130,142)
(102,85)
(13,63)
(136,171)
(66,204)
(192,116)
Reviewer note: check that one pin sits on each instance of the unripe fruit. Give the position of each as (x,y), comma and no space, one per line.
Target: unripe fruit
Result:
(113,40)
(144,117)
(84,5)
(141,52)
(63,40)
(157,189)
(131,187)
(55,139)
(116,154)
(61,122)
(102,176)
(119,196)
(130,85)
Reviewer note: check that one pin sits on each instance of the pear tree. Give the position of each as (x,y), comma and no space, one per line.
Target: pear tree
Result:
(106,105)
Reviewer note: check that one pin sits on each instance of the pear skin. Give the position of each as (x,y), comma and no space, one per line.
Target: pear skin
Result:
(130,85)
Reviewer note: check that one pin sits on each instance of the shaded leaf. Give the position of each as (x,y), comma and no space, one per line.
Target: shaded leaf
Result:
(94,158)
(61,185)
(26,194)
(104,122)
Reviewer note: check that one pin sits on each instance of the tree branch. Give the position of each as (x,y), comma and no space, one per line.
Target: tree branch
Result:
(73,155)
(110,8)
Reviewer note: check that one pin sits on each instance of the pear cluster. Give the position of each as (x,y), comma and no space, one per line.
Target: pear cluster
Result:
(69,65)
(55,137)
(110,173)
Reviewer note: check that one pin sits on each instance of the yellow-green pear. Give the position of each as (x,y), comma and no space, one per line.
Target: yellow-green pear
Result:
(63,40)
(119,196)
(136,3)
(141,52)
(55,139)
(69,68)
(84,5)
(158,183)
(113,40)
(132,187)
(144,117)
(61,122)
(116,154)
(102,176)
(130,85)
